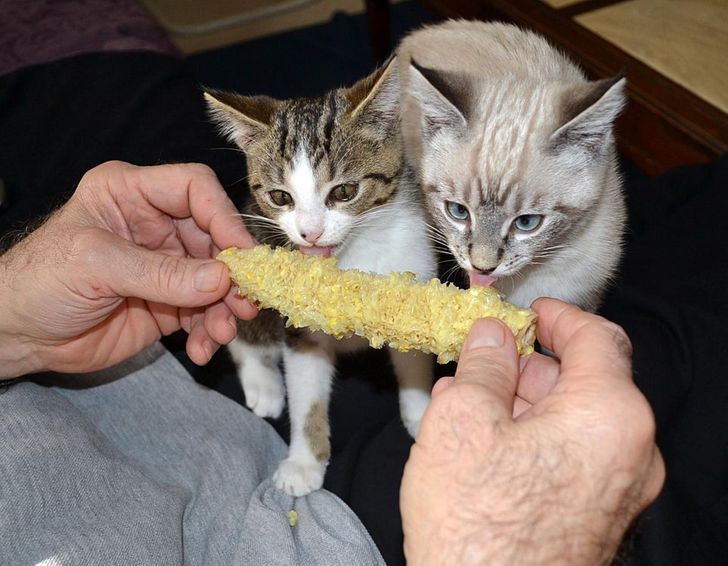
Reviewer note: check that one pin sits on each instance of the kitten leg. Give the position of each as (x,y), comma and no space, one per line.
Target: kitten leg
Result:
(262,382)
(415,374)
(309,369)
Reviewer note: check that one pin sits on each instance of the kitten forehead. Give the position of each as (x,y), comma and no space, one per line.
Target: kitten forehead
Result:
(301,179)
(514,118)
(503,153)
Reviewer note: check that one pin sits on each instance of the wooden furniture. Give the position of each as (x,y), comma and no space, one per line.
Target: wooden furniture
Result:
(666,124)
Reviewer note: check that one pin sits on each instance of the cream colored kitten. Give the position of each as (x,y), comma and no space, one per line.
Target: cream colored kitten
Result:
(515,152)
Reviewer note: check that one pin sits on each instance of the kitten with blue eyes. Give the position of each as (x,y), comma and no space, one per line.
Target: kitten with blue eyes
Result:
(515,152)
(328,177)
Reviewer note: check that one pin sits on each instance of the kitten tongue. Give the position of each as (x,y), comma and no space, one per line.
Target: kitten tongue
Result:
(480,279)
(315,250)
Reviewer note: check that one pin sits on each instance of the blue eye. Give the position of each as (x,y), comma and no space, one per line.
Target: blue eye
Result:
(457,210)
(528,222)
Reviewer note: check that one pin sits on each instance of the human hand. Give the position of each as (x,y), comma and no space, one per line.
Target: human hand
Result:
(126,260)
(561,480)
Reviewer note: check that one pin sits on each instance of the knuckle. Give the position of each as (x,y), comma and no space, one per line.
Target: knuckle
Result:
(620,339)
(85,248)
(643,422)
(107,168)
(199,170)
(461,413)
(170,273)
(486,368)
(100,176)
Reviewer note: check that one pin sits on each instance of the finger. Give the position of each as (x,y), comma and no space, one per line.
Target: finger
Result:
(539,374)
(489,359)
(241,307)
(656,476)
(587,344)
(441,384)
(200,347)
(192,189)
(220,323)
(185,318)
(117,267)
(196,242)
(520,406)
(166,317)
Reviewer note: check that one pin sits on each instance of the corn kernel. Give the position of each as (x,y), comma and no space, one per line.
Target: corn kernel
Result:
(392,309)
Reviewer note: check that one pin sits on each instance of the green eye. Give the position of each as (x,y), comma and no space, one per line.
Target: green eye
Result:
(457,211)
(528,222)
(280,198)
(344,192)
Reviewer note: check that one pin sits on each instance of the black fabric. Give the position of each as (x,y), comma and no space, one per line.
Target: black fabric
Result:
(59,120)
(671,299)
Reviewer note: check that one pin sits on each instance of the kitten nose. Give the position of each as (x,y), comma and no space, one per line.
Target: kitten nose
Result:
(312,236)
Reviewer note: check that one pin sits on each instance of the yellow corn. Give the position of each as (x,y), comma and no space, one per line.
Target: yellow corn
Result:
(394,309)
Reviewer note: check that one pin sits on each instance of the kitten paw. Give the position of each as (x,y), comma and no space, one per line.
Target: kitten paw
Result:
(264,391)
(412,405)
(299,478)
(412,426)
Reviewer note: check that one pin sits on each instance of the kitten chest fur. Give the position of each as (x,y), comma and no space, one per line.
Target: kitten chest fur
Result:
(393,239)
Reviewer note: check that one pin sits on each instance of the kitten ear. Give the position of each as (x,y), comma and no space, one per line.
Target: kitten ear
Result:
(375,99)
(242,119)
(442,98)
(589,110)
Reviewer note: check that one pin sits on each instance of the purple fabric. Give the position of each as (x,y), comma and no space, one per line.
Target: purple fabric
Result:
(40,31)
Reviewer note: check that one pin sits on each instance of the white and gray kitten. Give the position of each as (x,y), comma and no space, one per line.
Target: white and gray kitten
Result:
(515,152)
(328,177)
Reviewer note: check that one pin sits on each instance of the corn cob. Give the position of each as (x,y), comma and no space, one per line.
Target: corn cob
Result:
(394,309)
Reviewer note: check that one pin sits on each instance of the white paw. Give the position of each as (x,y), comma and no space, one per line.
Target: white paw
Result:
(299,478)
(264,391)
(412,405)
(412,426)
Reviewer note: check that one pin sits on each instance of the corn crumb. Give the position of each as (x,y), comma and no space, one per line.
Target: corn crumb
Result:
(292,518)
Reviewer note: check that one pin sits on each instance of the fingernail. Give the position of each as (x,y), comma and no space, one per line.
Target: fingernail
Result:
(233,321)
(487,333)
(208,276)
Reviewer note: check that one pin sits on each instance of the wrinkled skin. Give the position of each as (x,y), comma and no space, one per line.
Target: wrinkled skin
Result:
(537,461)
(127,259)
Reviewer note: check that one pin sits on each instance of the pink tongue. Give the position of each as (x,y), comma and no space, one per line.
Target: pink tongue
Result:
(480,279)
(315,250)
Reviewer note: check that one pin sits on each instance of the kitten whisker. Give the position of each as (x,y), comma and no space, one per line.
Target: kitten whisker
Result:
(235,149)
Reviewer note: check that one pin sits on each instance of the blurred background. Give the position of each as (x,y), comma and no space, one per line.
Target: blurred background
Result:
(672,51)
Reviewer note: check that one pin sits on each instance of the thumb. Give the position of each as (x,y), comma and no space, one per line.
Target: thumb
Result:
(489,358)
(133,271)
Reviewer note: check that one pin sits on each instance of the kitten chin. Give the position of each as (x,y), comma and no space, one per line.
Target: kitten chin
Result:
(514,150)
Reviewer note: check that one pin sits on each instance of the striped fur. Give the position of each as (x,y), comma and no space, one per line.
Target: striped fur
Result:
(348,135)
(312,149)
(499,122)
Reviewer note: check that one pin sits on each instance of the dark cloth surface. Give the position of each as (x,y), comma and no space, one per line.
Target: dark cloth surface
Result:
(60,119)
(671,299)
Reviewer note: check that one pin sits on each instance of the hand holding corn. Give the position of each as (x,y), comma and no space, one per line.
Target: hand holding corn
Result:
(394,309)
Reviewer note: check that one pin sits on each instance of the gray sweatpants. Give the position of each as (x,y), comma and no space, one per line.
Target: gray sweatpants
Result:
(149,467)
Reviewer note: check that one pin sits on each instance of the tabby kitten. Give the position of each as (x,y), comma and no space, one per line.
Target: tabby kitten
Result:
(515,152)
(328,177)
